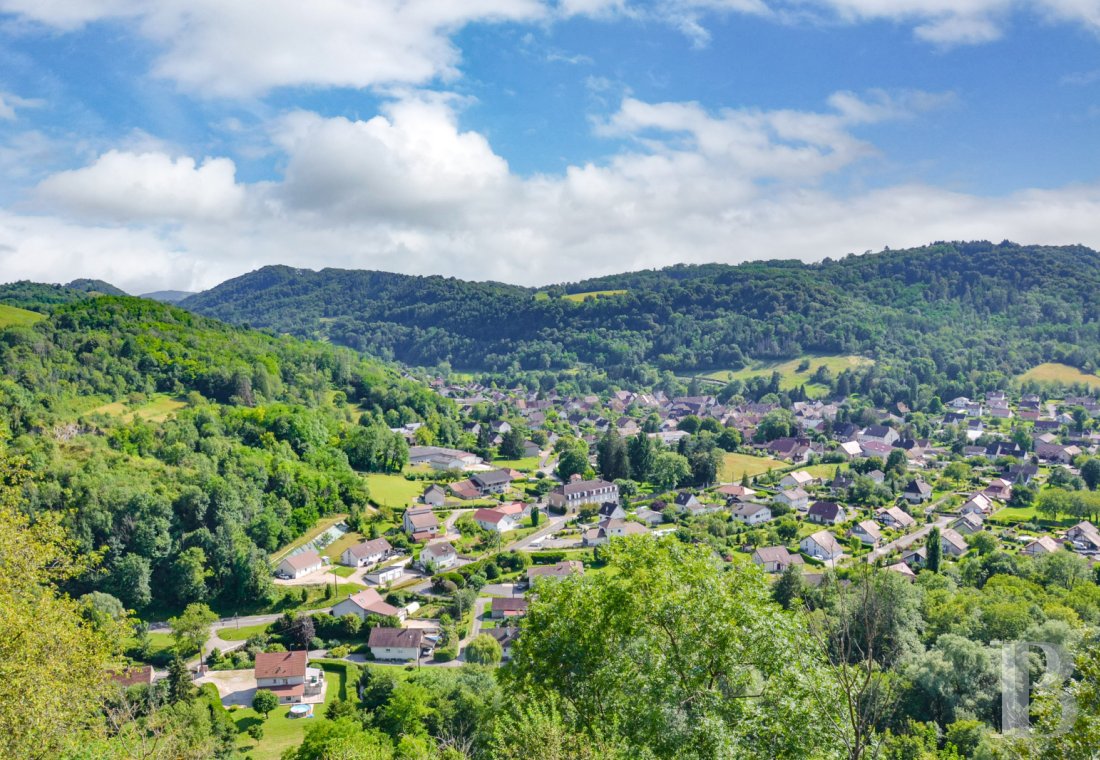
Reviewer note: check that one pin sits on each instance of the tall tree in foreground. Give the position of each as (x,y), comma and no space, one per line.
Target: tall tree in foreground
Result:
(52,661)
(934,547)
(710,656)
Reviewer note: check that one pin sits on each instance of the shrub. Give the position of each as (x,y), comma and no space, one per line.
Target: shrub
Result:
(446,654)
(339,652)
(256,730)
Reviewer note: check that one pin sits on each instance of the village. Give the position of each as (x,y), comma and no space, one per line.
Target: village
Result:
(445,576)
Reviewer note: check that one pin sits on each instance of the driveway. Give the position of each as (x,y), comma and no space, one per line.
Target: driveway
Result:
(316,578)
(235,687)
(548,527)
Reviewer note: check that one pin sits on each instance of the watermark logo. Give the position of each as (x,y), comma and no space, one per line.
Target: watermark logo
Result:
(1017,686)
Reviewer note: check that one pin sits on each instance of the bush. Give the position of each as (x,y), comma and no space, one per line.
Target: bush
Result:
(316,643)
(446,654)
(339,652)
(484,650)
(256,731)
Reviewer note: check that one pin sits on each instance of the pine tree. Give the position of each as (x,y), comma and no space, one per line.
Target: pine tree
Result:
(788,588)
(935,550)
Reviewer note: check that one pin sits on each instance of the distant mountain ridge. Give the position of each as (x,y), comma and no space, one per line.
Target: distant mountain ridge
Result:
(168,296)
(962,307)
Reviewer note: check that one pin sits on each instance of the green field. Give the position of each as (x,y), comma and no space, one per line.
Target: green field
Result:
(11,316)
(736,466)
(387,490)
(527,464)
(1060,373)
(280,730)
(161,649)
(158,409)
(790,377)
(578,297)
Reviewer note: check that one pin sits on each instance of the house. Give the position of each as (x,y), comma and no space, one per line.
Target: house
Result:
(611,511)
(850,449)
(902,569)
(1085,536)
(953,544)
(735,491)
(609,529)
(795,498)
(1040,546)
(531,449)
(364,603)
(686,501)
(775,559)
(752,514)
(570,496)
(896,518)
(505,636)
(916,558)
(508,607)
(978,504)
(867,532)
(366,553)
(491,482)
(791,449)
(798,479)
(968,524)
(464,489)
(287,675)
(917,491)
(438,556)
(402,644)
(300,564)
(877,476)
(132,676)
(999,489)
(560,570)
(826,513)
(495,520)
(821,545)
(1021,474)
(421,524)
(878,434)
(434,495)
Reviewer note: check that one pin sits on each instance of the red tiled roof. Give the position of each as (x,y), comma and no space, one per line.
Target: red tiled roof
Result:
(281,664)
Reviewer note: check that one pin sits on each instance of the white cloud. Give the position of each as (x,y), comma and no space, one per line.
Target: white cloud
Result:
(247,47)
(10,103)
(124,186)
(409,191)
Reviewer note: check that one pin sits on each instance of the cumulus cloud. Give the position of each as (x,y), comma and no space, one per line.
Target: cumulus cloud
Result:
(124,186)
(247,47)
(410,191)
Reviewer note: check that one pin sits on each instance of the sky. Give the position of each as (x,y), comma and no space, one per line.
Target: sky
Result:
(173,144)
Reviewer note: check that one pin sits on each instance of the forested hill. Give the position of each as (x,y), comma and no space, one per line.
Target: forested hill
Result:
(961,306)
(186,449)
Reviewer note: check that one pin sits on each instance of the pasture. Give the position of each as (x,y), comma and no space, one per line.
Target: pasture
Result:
(1062,374)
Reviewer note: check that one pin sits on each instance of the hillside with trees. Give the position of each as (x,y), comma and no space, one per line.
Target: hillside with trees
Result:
(184,450)
(948,318)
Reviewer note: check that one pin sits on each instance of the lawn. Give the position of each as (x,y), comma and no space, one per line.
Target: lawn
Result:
(280,730)
(578,297)
(12,316)
(736,466)
(389,490)
(527,464)
(158,409)
(1016,515)
(243,633)
(337,547)
(1060,373)
(790,377)
(161,649)
(824,471)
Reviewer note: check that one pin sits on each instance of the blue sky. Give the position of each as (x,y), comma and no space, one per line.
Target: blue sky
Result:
(175,144)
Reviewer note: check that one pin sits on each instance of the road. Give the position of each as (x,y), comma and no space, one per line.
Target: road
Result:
(547,528)
(908,539)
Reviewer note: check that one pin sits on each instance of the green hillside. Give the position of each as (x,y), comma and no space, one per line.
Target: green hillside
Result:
(11,316)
